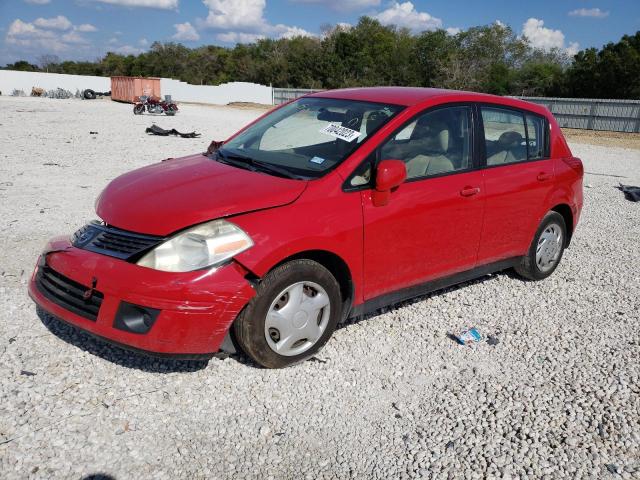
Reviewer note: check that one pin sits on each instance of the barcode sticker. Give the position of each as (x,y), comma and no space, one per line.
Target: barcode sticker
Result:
(338,131)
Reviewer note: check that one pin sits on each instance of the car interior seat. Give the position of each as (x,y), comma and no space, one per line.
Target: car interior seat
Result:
(509,148)
(429,147)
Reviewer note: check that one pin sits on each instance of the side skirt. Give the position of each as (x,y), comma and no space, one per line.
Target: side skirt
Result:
(408,293)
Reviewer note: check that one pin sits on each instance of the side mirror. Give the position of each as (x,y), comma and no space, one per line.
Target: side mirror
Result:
(390,174)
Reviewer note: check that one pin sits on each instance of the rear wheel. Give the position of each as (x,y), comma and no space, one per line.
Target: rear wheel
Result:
(295,311)
(546,249)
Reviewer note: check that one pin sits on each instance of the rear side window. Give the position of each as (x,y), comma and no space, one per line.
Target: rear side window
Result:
(505,135)
(537,136)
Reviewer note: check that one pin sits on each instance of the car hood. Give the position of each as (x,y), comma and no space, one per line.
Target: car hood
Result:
(165,197)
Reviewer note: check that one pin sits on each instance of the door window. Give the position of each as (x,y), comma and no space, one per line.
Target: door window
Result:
(537,137)
(435,143)
(505,136)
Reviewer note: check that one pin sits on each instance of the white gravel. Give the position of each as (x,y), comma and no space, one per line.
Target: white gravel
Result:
(388,397)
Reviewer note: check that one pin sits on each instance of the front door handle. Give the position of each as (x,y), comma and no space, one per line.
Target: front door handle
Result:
(469,191)
(543,176)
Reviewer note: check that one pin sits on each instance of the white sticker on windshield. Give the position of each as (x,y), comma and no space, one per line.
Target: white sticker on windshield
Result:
(338,131)
(318,160)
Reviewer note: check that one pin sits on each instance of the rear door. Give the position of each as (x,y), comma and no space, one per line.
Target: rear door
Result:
(518,178)
(431,226)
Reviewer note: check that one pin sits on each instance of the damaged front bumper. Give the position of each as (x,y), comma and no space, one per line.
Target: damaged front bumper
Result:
(184,314)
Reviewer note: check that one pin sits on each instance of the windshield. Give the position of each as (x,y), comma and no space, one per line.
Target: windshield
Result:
(309,136)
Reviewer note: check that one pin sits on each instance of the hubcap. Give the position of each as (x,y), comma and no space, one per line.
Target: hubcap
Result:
(297,318)
(549,247)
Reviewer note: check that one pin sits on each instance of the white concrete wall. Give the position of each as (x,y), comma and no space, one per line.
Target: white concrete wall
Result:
(218,94)
(11,79)
(179,91)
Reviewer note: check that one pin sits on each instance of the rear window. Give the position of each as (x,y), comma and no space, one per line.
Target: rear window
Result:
(513,136)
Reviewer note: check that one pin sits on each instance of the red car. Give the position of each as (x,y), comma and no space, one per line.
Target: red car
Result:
(329,207)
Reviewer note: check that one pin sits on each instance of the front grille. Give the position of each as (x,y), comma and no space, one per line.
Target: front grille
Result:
(68,294)
(114,242)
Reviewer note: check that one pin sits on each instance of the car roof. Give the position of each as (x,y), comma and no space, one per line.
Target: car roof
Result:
(409,96)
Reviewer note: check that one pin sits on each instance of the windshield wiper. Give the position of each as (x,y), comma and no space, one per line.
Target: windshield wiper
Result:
(256,164)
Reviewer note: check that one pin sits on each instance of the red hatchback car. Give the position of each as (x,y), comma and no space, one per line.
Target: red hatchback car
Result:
(328,207)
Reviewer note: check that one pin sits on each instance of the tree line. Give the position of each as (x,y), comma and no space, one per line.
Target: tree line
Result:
(490,58)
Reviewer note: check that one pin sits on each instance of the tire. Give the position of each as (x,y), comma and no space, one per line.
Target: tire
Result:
(138,109)
(551,239)
(303,329)
(89,94)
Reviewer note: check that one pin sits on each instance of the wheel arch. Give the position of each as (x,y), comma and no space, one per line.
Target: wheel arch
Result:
(565,210)
(338,268)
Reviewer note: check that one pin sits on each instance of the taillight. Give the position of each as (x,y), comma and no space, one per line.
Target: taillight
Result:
(575,163)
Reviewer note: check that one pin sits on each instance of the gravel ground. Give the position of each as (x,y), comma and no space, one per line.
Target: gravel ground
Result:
(391,396)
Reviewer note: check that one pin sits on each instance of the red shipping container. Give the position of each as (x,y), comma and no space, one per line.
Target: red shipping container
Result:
(128,89)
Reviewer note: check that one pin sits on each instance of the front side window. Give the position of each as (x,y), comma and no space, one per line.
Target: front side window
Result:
(435,143)
(307,137)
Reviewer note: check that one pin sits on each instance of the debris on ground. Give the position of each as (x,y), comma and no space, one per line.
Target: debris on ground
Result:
(18,93)
(156,130)
(89,94)
(27,373)
(631,193)
(59,93)
(469,336)
(37,92)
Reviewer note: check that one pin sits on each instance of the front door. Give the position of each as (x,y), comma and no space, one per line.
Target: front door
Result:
(431,226)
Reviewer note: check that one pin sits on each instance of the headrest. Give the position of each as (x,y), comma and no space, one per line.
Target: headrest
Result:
(510,140)
(434,132)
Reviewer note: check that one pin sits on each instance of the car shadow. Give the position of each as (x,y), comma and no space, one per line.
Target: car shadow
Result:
(130,359)
(361,318)
(114,354)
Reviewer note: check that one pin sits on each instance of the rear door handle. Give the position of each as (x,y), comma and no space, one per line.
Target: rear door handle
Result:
(543,177)
(469,191)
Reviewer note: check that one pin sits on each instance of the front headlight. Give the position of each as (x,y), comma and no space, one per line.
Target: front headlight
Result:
(205,245)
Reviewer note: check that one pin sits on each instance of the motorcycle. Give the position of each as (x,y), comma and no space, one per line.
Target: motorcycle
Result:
(154,105)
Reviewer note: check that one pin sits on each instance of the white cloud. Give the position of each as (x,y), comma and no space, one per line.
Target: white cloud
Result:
(242,21)
(233,14)
(86,27)
(573,48)
(37,2)
(73,37)
(185,32)
(453,30)
(545,38)
(57,23)
(284,31)
(28,36)
(128,50)
(238,37)
(405,15)
(589,12)
(343,4)
(162,4)
(47,35)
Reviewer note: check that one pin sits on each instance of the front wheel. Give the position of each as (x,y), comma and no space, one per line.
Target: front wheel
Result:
(296,309)
(138,109)
(546,249)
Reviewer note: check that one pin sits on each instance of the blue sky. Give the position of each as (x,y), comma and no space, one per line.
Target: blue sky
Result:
(87,29)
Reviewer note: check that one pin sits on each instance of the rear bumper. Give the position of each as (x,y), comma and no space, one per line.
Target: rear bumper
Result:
(196,309)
